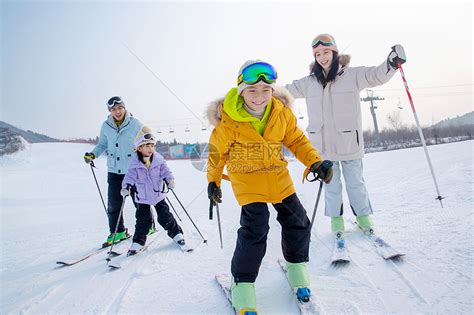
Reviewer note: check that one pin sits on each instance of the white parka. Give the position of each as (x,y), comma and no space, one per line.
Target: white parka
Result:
(334,113)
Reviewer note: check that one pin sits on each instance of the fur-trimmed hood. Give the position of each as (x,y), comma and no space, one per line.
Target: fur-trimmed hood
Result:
(213,111)
(344,61)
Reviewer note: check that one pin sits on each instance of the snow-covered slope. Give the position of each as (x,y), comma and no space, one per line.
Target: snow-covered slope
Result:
(464,120)
(51,210)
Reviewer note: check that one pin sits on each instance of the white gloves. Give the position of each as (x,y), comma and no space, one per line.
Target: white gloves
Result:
(171,183)
(397,56)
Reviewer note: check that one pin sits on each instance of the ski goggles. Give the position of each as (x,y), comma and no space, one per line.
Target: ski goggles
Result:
(323,39)
(114,101)
(260,71)
(144,139)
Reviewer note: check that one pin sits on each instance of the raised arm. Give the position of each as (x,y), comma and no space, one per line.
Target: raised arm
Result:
(374,76)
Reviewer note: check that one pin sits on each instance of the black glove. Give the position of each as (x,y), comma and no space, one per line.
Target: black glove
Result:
(397,56)
(214,193)
(323,170)
(88,157)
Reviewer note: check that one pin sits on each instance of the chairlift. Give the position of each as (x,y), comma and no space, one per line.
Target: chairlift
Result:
(158,130)
(203,127)
(187,129)
(171,130)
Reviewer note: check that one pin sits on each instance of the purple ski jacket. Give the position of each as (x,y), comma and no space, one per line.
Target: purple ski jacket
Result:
(148,182)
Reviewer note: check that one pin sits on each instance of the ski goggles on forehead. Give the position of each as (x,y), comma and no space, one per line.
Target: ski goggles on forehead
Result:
(325,40)
(260,71)
(148,136)
(114,101)
(144,139)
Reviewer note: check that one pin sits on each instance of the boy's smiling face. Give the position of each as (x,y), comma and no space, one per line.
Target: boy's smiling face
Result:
(257,96)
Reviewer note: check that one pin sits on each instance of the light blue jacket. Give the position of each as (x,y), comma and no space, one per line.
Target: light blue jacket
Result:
(117,142)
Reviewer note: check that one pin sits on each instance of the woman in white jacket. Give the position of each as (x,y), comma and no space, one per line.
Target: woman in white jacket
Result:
(332,93)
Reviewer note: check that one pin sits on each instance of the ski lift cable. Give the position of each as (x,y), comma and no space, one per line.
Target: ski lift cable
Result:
(162,82)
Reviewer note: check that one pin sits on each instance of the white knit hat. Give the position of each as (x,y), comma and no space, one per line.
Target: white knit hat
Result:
(243,85)
(144,136)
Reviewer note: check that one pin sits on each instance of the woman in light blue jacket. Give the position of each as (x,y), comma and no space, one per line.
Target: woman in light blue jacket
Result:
(116,139)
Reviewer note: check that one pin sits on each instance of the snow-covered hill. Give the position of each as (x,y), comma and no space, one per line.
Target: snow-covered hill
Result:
(51,210)
(464,120)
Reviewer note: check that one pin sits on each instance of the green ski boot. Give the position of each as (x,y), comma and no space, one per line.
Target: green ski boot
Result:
(337,224)
(299,279)
(298,275)
(151,231)
(120,236)
(243,298)
(365,223)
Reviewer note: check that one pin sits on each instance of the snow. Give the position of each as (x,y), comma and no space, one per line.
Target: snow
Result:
(51,210)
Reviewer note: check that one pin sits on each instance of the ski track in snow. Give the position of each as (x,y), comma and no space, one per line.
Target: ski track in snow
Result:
(346,283)
(435,276)
(384,278)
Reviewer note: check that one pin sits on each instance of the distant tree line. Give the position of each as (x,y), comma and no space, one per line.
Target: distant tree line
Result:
(80,140)
(400,135)
(96,140)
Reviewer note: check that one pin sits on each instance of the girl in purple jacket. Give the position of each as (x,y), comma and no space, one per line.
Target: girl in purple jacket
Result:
(148,172)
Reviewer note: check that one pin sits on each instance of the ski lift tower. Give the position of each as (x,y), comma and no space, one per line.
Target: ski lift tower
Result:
(371,98)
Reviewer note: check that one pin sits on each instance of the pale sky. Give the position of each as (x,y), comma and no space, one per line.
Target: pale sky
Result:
(61,61)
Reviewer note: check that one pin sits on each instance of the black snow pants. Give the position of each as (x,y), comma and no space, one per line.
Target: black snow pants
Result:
(252,236)
(115,200)
(165,219)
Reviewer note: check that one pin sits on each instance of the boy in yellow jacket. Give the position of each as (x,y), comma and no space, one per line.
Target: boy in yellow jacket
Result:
(252,124)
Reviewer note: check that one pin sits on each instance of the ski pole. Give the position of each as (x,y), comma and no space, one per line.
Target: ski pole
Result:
(97,184)
(190,219)
(219,223)
(116,228)
(327,164)
(169,201)
(420,132)
(316,205)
